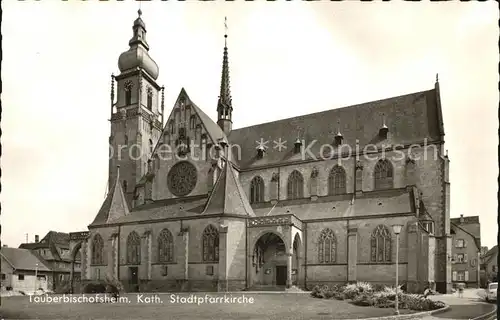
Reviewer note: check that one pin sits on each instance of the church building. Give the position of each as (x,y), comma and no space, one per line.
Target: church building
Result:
(197,205)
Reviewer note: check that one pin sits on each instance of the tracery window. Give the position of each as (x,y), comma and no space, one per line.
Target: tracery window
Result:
(257,190)
(97,250)
(381,244)
(133,248)
(165,246)
(327,246)
(295,185)
(182,178)
(336,181)
(210,244)
(383,174)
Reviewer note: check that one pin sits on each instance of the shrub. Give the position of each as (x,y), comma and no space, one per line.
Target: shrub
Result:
(324,292)
(94,287)
(339,296)
(378,287)
(364,287)
(364,299)
(114,283)
(350,291)
(9,288)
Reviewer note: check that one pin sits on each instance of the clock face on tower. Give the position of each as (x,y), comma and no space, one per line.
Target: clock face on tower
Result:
(182,178)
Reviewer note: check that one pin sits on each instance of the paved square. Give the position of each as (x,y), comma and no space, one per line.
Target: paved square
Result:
(175,306)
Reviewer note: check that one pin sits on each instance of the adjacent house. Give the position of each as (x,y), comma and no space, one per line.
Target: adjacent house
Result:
(489,265)
(466,234)
(54,249)
(23,270)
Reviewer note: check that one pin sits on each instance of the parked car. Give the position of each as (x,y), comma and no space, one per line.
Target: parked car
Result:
(491,292)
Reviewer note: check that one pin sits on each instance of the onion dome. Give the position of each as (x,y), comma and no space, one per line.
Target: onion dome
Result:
(137,55)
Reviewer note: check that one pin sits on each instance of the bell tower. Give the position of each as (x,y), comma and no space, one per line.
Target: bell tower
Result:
(136,115)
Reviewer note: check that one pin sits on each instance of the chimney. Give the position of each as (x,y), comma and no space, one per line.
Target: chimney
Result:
(461,218)
(37,238)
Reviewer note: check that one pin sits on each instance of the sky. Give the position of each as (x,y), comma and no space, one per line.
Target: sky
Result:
(286,59)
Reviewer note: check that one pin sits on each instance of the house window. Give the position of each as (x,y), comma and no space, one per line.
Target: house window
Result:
(20,277)
(460,258)
(133,248)
(3,276)
(383,175)
(327,246)
(460,243)
(257,190)
(460,276)
(97,250)
(295,185)
(381,244)
(336,181)
(210,244)
(165,246)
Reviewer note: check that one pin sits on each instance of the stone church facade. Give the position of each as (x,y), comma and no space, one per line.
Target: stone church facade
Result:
(195,205)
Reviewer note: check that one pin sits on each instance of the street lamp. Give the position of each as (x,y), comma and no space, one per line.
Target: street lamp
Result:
(36,276)
(397,230)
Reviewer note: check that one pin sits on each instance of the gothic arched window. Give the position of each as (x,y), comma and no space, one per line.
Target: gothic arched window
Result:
(327,246)
(126,140)
(97,250)
(133,248)
(257,190)
(381,244)
(165,246)
(383,174)
(210,244)
(295,185)
(192,122)
(336,181)
(128,96)
(151,146)
(124,185)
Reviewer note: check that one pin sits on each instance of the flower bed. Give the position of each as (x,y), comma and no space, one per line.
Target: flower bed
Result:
(364,294)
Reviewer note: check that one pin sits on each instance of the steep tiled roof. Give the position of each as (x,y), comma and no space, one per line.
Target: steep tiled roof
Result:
(490,254)
(168,208)
(466,220)
(228,196)
(410,118)
(341,206)
(23,259)
(114,206)
(476,237)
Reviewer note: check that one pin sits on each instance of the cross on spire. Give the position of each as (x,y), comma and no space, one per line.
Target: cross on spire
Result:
(225,31)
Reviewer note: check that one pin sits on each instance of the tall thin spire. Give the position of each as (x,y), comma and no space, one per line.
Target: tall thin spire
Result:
(224,105)
(225,91)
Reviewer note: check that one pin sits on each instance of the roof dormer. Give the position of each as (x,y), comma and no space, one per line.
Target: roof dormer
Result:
(384,130)
(297,145)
